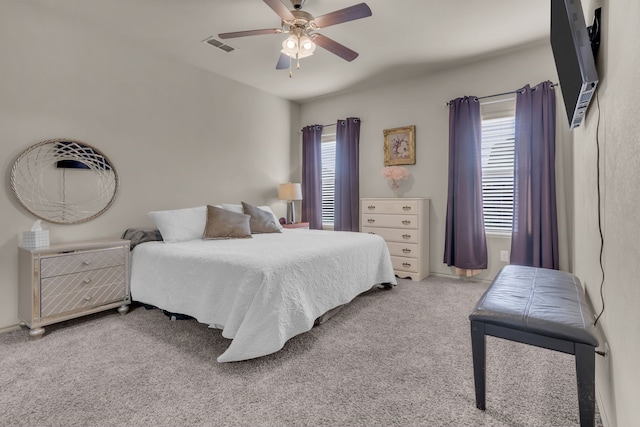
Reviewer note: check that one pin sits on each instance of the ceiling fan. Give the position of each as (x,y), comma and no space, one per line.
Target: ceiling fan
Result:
(301,27)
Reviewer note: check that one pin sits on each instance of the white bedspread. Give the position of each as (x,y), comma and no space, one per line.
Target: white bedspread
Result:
(260,291)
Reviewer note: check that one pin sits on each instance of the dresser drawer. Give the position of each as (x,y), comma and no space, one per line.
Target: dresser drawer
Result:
(390,206)
(403,249)
(393,234)
(395,221)
(81,261)
(404,264)
(61,303)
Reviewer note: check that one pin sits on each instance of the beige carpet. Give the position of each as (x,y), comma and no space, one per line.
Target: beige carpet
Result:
(400,357)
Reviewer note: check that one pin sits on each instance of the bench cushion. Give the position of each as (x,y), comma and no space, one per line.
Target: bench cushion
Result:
(546,302)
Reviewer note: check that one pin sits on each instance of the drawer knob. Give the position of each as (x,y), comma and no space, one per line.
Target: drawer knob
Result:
(406,265)
(406,208)
(371,220)
(87,298)
(406,236)
(87,280)
(406,222)
(371,207)
(85,262)
(406,250)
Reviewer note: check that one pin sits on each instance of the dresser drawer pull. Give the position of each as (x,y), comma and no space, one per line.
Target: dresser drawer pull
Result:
(87,298)
(406,208)
(371,207)
(406,222)
(371,232)
(87,280)
(406,236)
(371,220)
(406,265)
(85,262)
(406,250)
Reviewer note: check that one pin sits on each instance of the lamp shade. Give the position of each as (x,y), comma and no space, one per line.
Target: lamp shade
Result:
(290,191)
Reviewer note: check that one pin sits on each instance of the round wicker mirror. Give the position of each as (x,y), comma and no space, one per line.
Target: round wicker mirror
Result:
(64,181)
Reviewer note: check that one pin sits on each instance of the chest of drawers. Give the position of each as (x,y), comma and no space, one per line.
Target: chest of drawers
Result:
(404,225)
(70,280)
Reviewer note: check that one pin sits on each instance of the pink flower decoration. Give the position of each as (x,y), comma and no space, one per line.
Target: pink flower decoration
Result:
(394,174)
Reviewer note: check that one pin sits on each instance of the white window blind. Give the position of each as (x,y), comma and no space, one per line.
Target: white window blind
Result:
(498,136)
(328,181)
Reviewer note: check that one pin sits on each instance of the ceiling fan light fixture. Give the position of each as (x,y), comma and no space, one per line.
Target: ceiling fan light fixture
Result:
(290,44)
(307,44)
(298,47)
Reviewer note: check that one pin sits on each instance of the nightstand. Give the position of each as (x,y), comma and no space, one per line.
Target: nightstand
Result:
(70,280)
(297,225)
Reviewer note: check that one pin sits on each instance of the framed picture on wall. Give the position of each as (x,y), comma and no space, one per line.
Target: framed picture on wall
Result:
(400,146)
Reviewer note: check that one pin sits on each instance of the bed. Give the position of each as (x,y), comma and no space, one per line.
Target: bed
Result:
(260,291)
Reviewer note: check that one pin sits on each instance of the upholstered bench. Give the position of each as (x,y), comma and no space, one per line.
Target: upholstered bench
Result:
(541,307)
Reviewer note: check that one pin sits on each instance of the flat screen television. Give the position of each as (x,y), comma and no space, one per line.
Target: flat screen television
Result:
(574,59)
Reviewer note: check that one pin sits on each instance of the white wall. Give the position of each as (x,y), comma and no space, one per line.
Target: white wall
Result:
(178,136)
(421,102)
(617,375)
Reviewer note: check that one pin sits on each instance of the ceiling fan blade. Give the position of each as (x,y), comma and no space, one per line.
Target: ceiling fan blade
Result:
(347,14)
(334,47)
(249,33)
(283,62)
(282,10)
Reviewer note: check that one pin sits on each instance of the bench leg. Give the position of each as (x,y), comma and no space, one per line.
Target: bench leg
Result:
(478,348)
(585,373)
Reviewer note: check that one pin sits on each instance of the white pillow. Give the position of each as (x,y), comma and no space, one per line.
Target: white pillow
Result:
(238,209)
(232,208)
(268,209)
(180,225)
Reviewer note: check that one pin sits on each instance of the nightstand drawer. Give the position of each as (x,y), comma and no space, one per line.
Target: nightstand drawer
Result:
(393,221)
(75,262)
(82,281)
(395,206)
(69,302)
(393,234)
(404,264)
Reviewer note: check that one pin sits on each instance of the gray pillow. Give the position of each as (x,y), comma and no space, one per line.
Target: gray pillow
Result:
(224,224)
(261,221)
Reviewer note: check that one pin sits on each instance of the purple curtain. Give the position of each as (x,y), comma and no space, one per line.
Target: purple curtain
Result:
(347,185)
(465,243)
(312,176)
(534,240)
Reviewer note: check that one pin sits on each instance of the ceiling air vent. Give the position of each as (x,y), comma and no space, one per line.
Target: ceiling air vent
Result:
(218,44)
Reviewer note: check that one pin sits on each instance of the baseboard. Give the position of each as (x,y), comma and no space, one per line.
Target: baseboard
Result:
(9,329)
(443,275)
(466,279)
(603,414)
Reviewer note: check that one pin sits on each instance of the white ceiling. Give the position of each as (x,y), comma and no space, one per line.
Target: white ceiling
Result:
(402,38)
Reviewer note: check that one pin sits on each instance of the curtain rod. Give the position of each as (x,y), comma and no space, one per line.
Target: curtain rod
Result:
(477,98)
(330,124)
(322,126)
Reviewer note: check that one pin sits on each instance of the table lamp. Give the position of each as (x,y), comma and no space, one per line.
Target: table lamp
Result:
(290,192)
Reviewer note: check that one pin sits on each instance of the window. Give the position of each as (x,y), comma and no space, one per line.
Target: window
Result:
(328,179)
(498,136)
